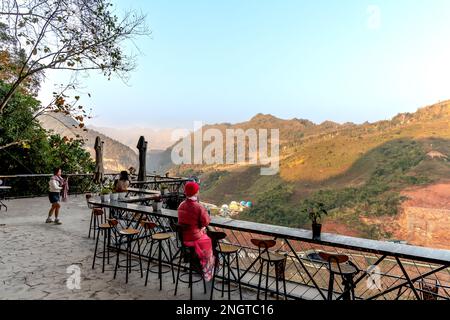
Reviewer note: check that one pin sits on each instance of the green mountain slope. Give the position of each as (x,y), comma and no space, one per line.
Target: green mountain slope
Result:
(356,170)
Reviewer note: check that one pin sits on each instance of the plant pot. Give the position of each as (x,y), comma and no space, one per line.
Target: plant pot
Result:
(316,230)
(114,196)
(157,206)
(105,197)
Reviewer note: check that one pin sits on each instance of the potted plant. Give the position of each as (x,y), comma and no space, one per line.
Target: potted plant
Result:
(122,195)
(114,195)
(164,188)
(105,194)
(157,203)
(315,211)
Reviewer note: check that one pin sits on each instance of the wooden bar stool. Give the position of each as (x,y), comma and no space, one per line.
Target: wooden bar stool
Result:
(189,258)
(340,264)
(223,251)
(269,259)
(158,239)
(98,216)
(105,229)
(129,234)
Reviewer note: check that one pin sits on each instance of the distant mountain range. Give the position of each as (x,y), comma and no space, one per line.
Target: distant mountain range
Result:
(116,156)
(359,170)
(362,172)
(159,139)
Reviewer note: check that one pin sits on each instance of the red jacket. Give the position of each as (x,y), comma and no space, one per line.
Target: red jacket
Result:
(194,215)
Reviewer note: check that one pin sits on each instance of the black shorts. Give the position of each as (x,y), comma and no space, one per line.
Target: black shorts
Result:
(54,197)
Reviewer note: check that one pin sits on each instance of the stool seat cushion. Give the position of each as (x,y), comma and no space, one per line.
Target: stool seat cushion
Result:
(98,211)
(345,268)
(129,232)
(272,257)
(105,226)
(227,248)
(148,225)
(161,236)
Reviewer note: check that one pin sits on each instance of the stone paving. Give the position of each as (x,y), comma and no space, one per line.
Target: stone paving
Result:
(37,260)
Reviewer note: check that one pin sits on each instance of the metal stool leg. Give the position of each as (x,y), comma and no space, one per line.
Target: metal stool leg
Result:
(128,259)
(223,274)
(214,278)
(178,273)
(276,288)
(90,224)
(104,249)
(238,275)
(160,264)
(204,284)
(190,280)
(267,280)
(170,258)
(140,258)
(95,224)
(95,251)
(117,257)
(260,278)
(330,286)
(150,258)
(229,276)
(109,243)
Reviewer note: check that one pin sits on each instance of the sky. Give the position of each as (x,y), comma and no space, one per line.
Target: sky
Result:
(225,61)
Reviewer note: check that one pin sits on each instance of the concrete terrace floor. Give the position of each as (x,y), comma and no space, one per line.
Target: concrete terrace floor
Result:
(35,257)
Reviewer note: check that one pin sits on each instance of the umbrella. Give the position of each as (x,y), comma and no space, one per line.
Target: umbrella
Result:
(98,173)
(142,146)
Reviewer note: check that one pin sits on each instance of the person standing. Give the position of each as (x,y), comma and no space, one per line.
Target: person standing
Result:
(56,185)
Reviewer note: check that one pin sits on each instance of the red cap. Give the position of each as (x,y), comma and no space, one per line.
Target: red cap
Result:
(191,189)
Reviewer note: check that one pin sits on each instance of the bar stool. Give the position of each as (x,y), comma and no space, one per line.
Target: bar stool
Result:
(105,229)
(190,259)
(158,239)
(340,264)
(129,234)
(225,251)
(270,259)
(98,216)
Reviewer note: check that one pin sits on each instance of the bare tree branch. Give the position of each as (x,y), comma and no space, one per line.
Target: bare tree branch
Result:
(76,35)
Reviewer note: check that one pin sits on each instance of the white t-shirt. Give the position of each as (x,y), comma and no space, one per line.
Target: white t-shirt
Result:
(54,185)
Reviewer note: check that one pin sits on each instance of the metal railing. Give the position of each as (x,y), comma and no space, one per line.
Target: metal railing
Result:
(388,271)
(35,185)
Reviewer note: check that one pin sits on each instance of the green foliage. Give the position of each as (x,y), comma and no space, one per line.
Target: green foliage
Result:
(70,154)
(214,178)
(37,152)
(105,190)
(314,210)
(379,196)
(273,208)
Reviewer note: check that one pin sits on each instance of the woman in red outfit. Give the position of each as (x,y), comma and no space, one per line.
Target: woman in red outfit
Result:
(195,217)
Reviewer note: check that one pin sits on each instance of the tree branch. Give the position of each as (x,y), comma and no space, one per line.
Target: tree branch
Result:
(16,143)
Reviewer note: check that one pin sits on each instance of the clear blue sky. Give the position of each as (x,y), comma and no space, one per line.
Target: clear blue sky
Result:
(225,61)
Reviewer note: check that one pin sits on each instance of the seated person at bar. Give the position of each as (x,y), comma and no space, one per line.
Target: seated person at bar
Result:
(123,183)
(195,217)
